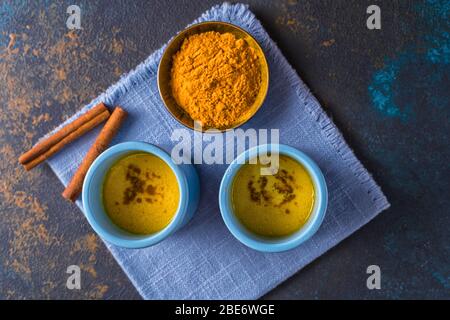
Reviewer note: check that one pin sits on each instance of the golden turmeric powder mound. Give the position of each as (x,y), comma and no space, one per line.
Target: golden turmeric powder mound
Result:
(216,78)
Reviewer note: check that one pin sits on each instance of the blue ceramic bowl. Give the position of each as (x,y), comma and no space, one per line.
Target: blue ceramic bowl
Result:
(188,182)
(267,244)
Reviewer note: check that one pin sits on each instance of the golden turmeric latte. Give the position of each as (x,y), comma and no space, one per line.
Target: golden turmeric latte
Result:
(216,78)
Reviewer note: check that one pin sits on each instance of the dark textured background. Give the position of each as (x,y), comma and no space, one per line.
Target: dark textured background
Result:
(387,90)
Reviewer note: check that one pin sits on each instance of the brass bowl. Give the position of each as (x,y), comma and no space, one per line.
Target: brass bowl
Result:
(165,66)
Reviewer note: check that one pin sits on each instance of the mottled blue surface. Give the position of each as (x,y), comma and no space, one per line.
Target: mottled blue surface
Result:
(419,74)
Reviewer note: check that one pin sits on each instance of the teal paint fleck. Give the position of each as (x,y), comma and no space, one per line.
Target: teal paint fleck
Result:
(417,78)
(6,14)
(382,90)
(439,53)
(444,281)
(6,17)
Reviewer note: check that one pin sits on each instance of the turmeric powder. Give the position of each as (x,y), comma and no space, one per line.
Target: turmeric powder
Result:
(216,78)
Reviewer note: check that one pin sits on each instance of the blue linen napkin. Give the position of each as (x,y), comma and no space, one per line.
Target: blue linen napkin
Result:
(203,260)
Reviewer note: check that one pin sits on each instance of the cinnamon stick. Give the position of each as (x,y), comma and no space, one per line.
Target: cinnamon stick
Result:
(66,140)
(107,133)
(46,144)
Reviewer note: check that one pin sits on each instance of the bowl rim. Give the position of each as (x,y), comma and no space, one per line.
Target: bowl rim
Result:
(306,231)
(145,240)
(265,65)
